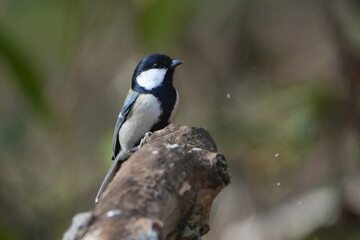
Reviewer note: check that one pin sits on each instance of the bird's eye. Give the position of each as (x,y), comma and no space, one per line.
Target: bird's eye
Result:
(156,65)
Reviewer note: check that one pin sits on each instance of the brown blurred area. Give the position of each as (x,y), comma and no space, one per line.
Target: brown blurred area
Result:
(276,83)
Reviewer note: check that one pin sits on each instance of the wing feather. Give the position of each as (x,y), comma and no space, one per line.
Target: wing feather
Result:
(124,113)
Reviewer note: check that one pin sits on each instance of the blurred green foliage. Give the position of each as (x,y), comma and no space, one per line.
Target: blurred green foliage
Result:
(7,233)
(26,76)
(162,23)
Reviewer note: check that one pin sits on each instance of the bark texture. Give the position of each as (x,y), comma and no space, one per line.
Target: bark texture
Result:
(163,191)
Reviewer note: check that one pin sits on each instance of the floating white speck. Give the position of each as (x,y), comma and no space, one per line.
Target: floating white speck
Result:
(155,152)
(172,146)
(299,202)
(113,213)
(228,95)
(196,149)
(171,164)
(277,155)
(278,184)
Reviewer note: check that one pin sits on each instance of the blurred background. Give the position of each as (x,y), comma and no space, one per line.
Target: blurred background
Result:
(276,83)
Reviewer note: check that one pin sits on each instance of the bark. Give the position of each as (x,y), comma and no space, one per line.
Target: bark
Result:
(163,191)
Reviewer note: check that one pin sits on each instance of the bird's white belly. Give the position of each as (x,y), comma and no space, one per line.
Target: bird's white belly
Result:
(143,115)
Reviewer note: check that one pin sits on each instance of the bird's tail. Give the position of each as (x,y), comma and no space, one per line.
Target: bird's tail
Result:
(120,158)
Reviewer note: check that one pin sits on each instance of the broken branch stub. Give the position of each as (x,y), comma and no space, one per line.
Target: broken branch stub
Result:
(164,191)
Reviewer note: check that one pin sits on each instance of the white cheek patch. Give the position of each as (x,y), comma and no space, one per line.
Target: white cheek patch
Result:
(151,78)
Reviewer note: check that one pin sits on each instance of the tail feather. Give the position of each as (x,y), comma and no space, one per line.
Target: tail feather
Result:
(120,158)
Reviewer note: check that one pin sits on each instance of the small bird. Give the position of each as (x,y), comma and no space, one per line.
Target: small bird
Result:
(150,105)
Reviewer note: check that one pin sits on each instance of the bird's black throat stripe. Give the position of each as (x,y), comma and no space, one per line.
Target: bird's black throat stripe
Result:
(166,95)
(168,100)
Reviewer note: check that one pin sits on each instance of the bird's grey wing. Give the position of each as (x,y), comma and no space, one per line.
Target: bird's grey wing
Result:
(128,103)
(118,156)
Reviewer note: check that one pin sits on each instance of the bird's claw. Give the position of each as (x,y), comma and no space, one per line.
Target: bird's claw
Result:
(142,142)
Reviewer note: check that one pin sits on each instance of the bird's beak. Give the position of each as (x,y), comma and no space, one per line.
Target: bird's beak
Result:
(176,62)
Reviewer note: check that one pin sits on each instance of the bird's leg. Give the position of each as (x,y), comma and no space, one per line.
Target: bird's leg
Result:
(142,142)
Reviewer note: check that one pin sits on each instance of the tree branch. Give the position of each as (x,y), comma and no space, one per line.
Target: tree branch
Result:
(164,191)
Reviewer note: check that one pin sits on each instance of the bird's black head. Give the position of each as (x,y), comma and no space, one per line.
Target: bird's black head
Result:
(154,71)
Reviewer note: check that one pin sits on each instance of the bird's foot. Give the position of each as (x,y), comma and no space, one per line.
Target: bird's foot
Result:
(142,142)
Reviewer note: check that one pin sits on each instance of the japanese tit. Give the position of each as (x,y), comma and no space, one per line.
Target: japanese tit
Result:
(150,105)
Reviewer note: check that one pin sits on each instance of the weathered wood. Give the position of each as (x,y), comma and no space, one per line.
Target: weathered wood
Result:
(164,191)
